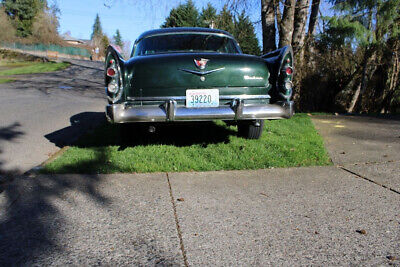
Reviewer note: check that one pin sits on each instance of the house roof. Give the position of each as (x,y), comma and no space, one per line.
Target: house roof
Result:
(67,37)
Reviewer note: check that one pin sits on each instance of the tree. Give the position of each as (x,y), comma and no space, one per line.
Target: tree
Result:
(225,20)
(97,29)
(299,27)
(118,39)
(7,31)
(105,42)
(208,17)
(372,28)
(22,13)
(45,25)
(241,28)
(313,18)
(184,15)
(285,22)
(245,35)
(44,28)
(268,25)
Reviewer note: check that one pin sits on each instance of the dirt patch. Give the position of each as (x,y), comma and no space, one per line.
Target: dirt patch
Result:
(14,55)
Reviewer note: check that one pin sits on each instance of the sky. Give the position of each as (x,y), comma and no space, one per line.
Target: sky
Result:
(132,17)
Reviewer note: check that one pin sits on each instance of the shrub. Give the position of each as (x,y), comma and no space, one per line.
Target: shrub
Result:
(7,31)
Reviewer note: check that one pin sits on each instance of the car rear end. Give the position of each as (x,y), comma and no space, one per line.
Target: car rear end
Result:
(189,85)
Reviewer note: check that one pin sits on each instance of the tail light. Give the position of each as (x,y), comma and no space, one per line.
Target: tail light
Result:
(111,72)
(289,70)
(285,83)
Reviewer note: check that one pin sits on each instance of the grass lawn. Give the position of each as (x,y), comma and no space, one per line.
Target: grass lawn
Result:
(15,68)
(5,80)
(197,147)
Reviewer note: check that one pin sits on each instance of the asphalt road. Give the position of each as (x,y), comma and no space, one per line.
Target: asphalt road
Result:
(347,214)
(39,111)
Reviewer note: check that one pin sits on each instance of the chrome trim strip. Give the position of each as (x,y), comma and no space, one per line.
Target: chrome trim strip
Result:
(118,113)
(201,73)
(221,97)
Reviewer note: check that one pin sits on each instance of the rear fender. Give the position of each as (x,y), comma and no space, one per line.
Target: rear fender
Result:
(278,61)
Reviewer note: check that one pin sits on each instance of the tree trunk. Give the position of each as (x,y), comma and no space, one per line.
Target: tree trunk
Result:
(312,25)
(268,25)
(393,78)
(368,71)
(286,23)
(354,99)
(299,31)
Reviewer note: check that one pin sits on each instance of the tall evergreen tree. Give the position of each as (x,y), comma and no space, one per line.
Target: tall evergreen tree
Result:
(22,13)
(225,20)
(245,35)
(241,28)
(184,15)
(97,30)
(118,39)
(208,16)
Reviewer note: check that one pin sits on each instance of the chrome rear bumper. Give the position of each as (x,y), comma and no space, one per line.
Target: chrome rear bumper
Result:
(170,111)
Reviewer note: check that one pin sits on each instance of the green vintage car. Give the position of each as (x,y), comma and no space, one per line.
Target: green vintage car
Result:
(198,74)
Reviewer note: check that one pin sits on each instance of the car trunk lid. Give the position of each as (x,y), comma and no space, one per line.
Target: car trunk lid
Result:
(172,74)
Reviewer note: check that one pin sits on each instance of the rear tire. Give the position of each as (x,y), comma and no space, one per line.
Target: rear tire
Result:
(251,129)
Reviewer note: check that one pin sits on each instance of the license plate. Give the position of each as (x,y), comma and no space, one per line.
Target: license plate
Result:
(203,98)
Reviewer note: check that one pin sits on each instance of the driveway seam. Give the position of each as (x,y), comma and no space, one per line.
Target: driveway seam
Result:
(178,228)
(369,180)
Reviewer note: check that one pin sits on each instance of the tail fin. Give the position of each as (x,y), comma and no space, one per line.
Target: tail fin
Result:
(114,74)
(281,66)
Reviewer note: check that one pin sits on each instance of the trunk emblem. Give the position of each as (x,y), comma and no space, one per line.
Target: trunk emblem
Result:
(201,63)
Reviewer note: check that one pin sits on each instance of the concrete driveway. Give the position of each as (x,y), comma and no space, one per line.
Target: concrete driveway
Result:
(347,214)
(368,147)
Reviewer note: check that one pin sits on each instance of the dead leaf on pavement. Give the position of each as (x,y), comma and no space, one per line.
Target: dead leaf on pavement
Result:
(362,231)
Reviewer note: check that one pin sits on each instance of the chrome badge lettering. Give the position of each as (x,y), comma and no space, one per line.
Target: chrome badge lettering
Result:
(247,77)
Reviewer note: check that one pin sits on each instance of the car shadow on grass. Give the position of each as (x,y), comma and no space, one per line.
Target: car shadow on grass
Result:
(90,129)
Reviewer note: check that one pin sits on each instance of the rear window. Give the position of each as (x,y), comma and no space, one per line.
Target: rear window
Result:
(176,43)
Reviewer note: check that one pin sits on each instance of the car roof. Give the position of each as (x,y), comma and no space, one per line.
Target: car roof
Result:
(182,30)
